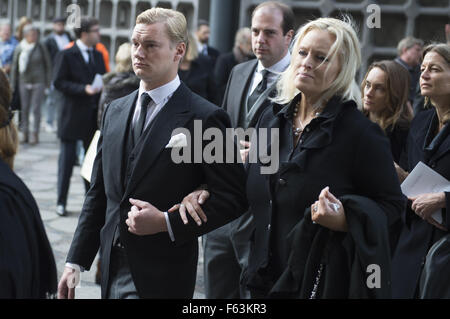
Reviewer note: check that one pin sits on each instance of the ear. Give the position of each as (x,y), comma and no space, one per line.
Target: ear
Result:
(289,35)
(180,51)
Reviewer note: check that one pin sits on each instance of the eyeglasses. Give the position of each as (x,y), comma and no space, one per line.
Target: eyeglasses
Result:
(95,30)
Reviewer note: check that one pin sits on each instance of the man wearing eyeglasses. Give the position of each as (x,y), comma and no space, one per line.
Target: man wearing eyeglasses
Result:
(75,70)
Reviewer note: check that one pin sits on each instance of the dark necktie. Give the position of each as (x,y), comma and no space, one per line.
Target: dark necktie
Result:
(262,86)
(91,62)
(140,124)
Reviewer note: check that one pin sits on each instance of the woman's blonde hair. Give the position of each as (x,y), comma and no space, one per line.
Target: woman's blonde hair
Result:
(9,139)
(191,50)
(123,58)
(397,90)
(444,51)
(345,48)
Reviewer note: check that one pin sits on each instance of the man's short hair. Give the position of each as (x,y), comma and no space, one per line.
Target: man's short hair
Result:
(175,22)
(86,24)
(407,43)
(286,11)
(201,23)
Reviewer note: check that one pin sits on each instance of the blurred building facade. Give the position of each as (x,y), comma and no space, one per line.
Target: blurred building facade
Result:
(424,19)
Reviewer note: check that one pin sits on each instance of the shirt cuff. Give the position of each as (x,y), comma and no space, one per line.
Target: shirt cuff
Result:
(75,266)
(169,228)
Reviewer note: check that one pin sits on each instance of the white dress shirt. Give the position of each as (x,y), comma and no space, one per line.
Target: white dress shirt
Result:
(61,40)
(274,71)
(84,50)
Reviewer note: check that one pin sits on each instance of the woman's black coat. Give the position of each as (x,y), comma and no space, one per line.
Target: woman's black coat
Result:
(27,265)
(341,149)
(417,235)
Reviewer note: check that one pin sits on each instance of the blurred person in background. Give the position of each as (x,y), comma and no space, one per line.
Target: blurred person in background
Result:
(196,71)
(55,42)
(8,44)
(242,51)
(202,39)
(75,70)
(32,72)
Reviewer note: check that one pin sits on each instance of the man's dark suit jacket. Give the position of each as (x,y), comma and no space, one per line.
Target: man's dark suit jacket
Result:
(236,93)
(52,46)
(160,268)
(77,120)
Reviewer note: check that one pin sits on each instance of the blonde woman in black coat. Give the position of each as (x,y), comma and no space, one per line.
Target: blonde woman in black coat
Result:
(323,218)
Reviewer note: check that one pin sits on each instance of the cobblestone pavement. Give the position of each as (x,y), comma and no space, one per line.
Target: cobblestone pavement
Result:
(37,166)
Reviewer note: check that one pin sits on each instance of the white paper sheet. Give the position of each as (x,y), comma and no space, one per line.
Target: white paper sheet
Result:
(88,163)
(98,82)
(423,179)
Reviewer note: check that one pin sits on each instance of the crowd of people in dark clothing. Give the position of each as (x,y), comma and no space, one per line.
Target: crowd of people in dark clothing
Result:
(315,228)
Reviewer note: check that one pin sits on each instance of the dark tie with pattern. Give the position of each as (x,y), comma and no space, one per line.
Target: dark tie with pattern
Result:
(262,86)
(140,124)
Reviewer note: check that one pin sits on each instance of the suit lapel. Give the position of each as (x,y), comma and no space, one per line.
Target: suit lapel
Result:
(77,53)
(242,82)
(176,113)
(118,136)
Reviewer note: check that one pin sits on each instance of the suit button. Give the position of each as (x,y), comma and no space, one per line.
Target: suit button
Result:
(282,182)
(433,164)
(268,227)
(270,202)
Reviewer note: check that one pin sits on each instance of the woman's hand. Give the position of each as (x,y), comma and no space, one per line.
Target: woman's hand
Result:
(424,205)
(329,212)
(192,203)
(244,152)
(401,173)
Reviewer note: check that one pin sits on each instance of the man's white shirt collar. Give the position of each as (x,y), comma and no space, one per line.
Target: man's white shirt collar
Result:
(161,93)
(278,67)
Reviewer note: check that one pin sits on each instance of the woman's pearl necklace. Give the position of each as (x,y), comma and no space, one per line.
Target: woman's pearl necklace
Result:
(298,130)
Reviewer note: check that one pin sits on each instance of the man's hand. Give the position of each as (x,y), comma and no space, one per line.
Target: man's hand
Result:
(90,90)
(425,205)
(69,280)
(192,203)
(145,219)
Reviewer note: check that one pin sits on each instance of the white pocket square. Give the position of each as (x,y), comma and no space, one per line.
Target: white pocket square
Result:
(178,140)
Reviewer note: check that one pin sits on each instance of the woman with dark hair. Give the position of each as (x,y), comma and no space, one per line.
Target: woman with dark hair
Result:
(428,142)
(27,266)
(385,97)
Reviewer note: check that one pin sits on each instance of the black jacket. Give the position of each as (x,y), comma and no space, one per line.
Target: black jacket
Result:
(116,85)
(78,118)
(344,259)
(160,268)
(341,149)
(398,136)
(417,235)
(200,79)
(27,265)
(52,46)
